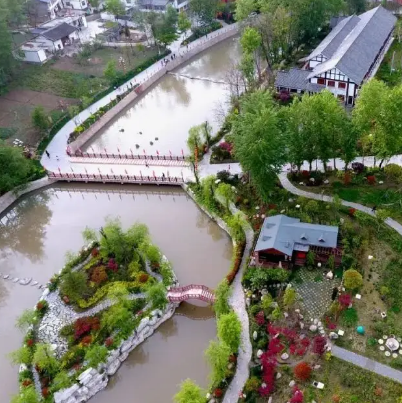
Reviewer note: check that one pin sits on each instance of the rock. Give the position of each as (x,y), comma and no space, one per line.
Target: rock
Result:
(330,275)
(333,335)
(25,281)
(284,356)
(123,357)
(6,276)
(144,322)
(264,291)
(297,310)
(157,312)
(259,353)
(16,280)
(152,322)
(88,373)
(278,375)
(286,315)
(34,283)
(315,321)
(248,301)
(208,395)
(65,394)
(270,399)
(292,383)
(45,293)
(301,316)
(230,365)
(113,367)
(313,328)
(326,181)
(318,366)
(255,335)
(301,324)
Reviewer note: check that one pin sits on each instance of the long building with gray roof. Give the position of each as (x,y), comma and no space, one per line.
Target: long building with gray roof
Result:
(347,57)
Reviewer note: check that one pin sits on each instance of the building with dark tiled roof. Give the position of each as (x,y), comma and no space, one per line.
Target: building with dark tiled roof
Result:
(348,56)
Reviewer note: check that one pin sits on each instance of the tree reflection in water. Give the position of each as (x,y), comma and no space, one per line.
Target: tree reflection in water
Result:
(177,86)
(22,227)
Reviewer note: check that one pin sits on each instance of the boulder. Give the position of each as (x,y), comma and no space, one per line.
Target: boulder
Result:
(284,356)
(315,321)
(278,375)
(113,367)
(72,399)
(297,310)
(313,328)
(62,395)
(152,322)
(125,346)
(333,335)
(292,383)
(255,335)
(144,322)
(148,332)
(90,372)
(259,353)
(123,357)
(301,324)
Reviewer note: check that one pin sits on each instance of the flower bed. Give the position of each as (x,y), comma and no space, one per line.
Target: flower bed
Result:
(59,347)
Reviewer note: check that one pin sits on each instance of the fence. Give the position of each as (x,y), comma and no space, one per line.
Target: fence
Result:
(131,156)
(134,179)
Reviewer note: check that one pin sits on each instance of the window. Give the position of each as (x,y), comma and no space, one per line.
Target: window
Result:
(321,81)
(342,85)
(331,83)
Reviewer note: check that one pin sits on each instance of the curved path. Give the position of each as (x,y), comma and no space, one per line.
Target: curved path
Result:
(339,352)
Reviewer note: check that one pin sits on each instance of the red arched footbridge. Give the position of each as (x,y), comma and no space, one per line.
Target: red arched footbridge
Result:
(192,291)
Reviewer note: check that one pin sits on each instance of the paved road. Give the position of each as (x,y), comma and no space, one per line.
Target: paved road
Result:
(367,363)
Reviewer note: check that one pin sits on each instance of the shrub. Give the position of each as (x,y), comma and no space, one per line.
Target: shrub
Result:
(86,340)
(143,278)
(319,345)
(358,167)
(222,294)
(371,180)
(156,295)
(393,172)
(109,342)
(352,279)
(99,275)
(345,300)
(252,384)
(39,118)
(44,358)
(189,392)
(302,371)
(95,355)
(260,318)
(218,392)
(26,319)
(352,212)
(347,179)
(229,330)
(83,326)
(112,265)
(74,285)
(349,317)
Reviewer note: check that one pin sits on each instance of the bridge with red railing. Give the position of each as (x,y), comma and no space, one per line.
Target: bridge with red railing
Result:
(113,178)
(192,291)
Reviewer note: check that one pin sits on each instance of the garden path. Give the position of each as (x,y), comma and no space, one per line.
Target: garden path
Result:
(339,352)
(238,302)
(367,363)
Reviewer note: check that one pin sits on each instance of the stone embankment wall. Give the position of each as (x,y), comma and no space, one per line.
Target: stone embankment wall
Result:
(92,380)
(182,56)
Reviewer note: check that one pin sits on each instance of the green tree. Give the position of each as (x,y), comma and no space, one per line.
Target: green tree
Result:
(74,285)
(222,295)
(251,43)
(40,119)
(110,71)
(356,6)
(115,7)
(352,279)
(244,8)
(289,298)
(27,395)
(164,26)
(204,11)
(258,140)
(156,296)
(225,191)
(95,355)
(250,40)
(189,392)
(7,60)
(26,319)
(217,355)
(183,23)
(21,356)
(45,359)
(116,317)
(15,169)
(194,141)
(235,223)
(266,303)
(229,331)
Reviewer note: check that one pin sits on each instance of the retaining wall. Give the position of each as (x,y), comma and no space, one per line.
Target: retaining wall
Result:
(182,56)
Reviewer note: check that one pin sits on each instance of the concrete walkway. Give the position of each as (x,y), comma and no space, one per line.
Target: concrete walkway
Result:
(367,363)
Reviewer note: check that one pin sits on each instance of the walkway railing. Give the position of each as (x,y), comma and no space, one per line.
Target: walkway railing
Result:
(107,178)
(131,155)
(181,294)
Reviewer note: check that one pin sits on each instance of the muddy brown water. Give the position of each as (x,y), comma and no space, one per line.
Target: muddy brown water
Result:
(36,233)
(191,95)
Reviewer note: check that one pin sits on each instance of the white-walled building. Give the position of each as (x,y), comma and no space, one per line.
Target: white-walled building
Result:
(349,55)
(32,52)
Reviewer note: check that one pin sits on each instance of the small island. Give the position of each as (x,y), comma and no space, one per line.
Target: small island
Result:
(105,301)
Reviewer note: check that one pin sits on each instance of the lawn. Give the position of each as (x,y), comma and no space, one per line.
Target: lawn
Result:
(97,61)
(390,70)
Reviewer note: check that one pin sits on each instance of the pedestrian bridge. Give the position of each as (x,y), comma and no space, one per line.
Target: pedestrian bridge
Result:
(192,291)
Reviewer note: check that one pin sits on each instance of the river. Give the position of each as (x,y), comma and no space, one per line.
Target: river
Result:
(37,231)
(191,95)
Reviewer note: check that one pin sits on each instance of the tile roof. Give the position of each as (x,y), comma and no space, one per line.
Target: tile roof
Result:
(58,32)
(355,54)
(298,79)
(285,234)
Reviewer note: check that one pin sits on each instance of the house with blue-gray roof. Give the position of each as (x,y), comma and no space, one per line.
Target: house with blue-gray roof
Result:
(285,241)
(346,58)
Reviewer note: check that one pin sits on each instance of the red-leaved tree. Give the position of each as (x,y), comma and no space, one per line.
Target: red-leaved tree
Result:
(319,345)
(302,371)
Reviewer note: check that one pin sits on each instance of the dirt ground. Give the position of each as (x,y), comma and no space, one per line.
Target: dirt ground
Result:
(96,63)
(16,107)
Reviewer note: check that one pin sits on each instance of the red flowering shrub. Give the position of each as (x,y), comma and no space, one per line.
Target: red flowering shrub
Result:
(259,318)
(83,326)
(95,252)
(371,180)
(26,383)
(302,371)
(297,395)
(66,299)
(86,340)
(45,392)
(232,358)
(352,212)
(272,206)
(306,174)
(99,275)
(305,342)
(378,391)
(40,305)
(30,342)
(112,265)
(319,345)
(226,146)
(301,351)
(347,178)
(292,349)
(218,392)
(143,278)
(345,300)
(275,346)
(336,398)
(108,342)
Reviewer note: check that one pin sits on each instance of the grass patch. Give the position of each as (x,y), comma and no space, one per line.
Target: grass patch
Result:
(349,317)
(384,73)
